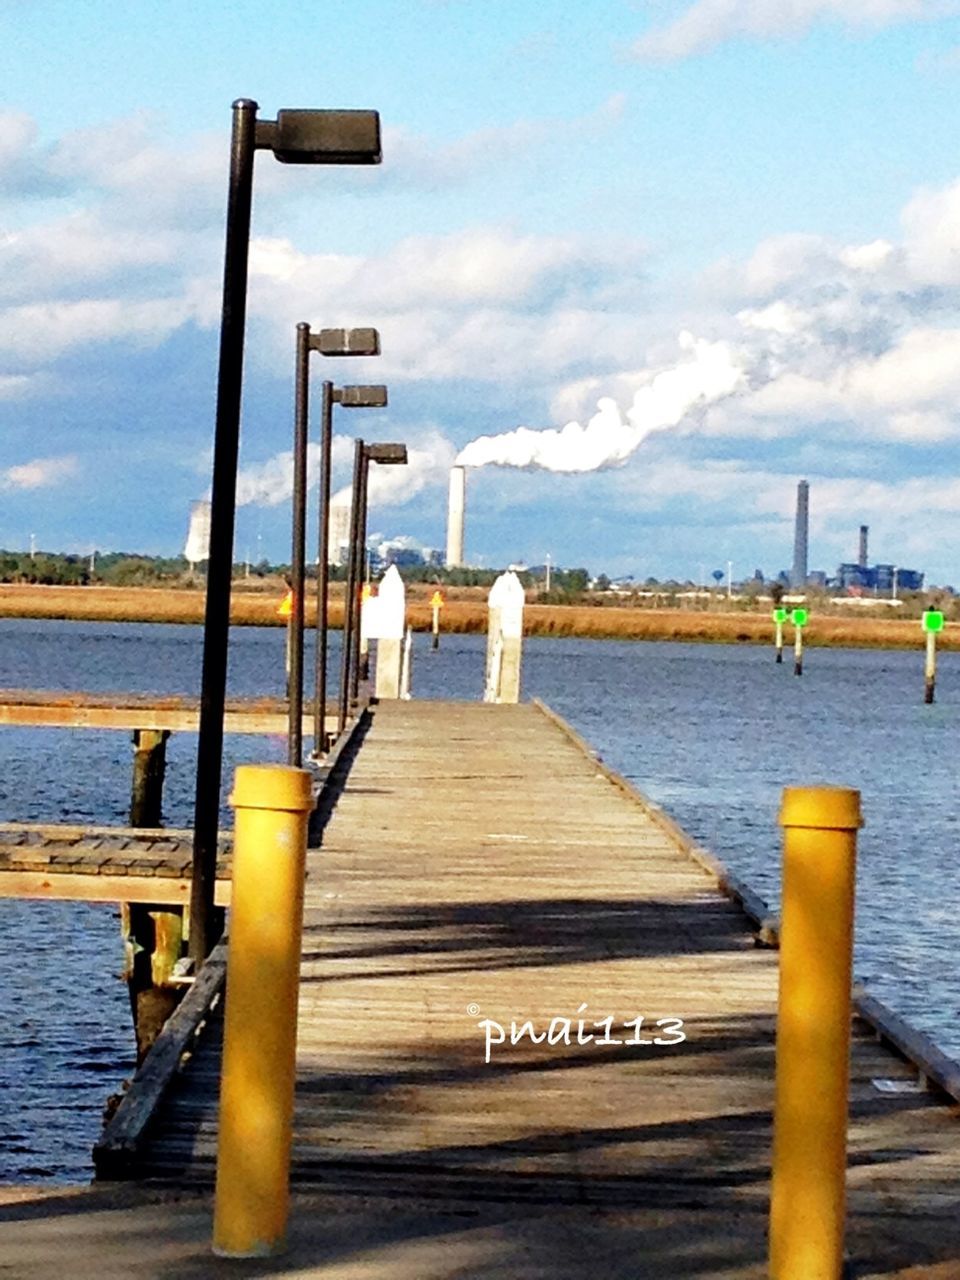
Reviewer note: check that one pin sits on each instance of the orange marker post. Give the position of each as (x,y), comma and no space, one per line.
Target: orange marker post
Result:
(436,604)
(366,593)
(285,610)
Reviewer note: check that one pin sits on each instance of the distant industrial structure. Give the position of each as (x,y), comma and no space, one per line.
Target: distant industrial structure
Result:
(455,517)
(404,552)
(851,577)
(798,578)
(197,548)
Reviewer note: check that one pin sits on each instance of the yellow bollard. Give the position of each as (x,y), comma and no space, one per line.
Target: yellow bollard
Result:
(813,1033)
(272,804)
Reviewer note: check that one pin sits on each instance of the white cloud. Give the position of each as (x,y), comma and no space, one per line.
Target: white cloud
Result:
(77,251)
(14,384)
(480,266)
(707,23)
(37,333)
(39,473)
(931,222)
(413,161)
(482,303)
(429,458)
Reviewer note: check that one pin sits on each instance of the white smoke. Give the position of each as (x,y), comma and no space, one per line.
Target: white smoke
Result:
(270,483)
(427,464)
(712,371)
(267,484)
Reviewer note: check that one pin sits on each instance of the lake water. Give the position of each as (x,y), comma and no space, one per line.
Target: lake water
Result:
(711,732)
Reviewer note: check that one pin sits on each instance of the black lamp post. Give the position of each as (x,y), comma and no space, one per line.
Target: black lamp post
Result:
(329,342)
(295,137)
(385,454)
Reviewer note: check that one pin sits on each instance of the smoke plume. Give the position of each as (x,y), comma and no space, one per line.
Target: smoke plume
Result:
(270,483)
(712,371)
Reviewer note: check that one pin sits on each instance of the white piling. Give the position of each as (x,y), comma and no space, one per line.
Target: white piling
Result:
(504,639)
(388,626)
(406,665)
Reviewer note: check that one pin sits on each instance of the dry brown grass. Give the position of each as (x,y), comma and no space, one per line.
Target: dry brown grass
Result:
(259,608)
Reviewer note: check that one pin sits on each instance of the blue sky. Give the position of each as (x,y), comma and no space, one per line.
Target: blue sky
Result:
(722,236)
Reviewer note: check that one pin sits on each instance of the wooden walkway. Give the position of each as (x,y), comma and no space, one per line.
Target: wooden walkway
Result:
(480,865)
(74,710)
(102,864)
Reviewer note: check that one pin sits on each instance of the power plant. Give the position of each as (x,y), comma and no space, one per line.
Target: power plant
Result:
(853,577)
(798,577)
(455,516)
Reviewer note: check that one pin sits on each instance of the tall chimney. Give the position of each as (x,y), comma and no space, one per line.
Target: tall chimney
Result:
(198,535)
(458,487)
(864,530)
(798,577)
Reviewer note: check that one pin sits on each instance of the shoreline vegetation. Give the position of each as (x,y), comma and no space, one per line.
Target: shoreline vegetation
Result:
(465,612)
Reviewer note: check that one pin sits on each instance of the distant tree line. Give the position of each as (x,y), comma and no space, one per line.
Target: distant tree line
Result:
(113,568)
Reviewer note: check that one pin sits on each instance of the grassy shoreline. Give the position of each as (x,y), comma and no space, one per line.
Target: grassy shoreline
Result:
(608,622)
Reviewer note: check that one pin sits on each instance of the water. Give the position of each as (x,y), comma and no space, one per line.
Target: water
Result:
(711,732)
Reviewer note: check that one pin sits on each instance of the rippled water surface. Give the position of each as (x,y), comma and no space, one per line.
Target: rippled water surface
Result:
(712,732)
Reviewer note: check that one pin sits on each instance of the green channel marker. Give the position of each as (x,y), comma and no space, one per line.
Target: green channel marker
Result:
(779,615)
(799,617)
(932,620)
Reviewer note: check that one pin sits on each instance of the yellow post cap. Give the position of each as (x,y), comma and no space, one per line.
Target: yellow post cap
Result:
(272,786)
(829,808)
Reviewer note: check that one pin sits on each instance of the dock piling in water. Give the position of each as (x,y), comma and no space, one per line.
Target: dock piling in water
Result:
(779,618)
(153,935)
(390,622)
(436,604)
(504,639)
(149,768)
(799,619)
(932,622)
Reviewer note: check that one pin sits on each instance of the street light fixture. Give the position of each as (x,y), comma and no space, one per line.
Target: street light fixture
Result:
(295,137)
(329,342)
(386,455)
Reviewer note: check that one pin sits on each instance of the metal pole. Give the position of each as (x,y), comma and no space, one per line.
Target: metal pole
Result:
(350,589)
(298,556)
(361,549)
(778,640)
(323,572)
(216,627)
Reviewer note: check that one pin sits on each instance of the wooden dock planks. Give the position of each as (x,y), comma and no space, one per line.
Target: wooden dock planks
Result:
(480,865)
(74,710)
(102,864)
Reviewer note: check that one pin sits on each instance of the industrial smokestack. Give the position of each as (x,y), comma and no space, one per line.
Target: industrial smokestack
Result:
(864,531)
(798,577)
(197,548)
(338,533)
(458,487)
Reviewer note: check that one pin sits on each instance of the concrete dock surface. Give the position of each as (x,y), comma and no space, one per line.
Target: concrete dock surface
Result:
(104,1233)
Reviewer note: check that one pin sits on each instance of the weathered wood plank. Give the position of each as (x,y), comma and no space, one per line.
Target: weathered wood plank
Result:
(123,1135)
(69,710)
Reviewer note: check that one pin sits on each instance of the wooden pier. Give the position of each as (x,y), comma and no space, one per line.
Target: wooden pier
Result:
(477,863)
(102,864)
(72,710)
